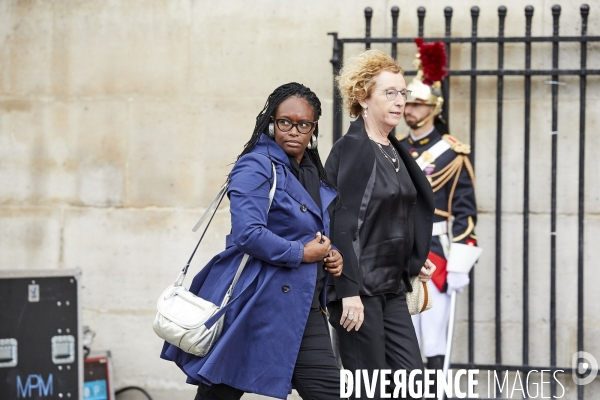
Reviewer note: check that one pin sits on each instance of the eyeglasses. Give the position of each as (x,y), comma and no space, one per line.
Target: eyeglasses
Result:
(391,94)
(286,125)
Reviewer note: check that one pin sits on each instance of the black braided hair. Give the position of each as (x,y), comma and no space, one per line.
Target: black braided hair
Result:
(263,119)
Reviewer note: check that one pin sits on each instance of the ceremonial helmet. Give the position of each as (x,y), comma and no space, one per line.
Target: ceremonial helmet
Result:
(426,86)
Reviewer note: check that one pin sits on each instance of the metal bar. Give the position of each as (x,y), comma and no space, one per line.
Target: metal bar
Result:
(336,62)
(368,15)
(421,14)
(556,15)
(446,83)
(473,111)
(528,18)
(395,13)
(482,39)
(519,72)
(585,10)
(500,90)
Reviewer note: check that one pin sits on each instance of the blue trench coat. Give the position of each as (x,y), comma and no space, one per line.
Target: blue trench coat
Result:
(263,328)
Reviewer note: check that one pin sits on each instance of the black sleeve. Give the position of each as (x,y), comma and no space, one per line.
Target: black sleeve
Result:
(346,285)
(464,207)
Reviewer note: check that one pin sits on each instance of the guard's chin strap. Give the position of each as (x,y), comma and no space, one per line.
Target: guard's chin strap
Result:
(436,110)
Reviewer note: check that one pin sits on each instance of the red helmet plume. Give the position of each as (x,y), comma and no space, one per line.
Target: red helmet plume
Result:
(433,61)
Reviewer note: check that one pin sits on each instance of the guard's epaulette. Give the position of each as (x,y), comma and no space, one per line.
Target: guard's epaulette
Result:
(401,137)
(456,145)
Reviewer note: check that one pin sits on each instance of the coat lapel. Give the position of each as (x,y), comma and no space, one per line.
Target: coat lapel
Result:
(327,196)
(296,191)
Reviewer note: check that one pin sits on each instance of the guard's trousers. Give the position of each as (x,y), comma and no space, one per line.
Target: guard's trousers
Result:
(432,326)
(386,340)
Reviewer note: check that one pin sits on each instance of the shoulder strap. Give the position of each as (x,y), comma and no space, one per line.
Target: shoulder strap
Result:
(216,201)
(402,137)
(210,211)
(457,145)
(429,156)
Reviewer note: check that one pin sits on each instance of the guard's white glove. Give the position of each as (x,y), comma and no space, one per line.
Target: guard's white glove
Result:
(456,282)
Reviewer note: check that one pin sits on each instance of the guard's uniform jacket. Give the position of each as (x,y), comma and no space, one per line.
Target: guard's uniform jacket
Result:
(445,162)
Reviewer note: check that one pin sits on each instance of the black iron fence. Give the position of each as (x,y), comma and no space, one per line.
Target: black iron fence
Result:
(554,73)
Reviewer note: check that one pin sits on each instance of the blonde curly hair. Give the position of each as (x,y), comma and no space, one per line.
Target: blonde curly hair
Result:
(356,79)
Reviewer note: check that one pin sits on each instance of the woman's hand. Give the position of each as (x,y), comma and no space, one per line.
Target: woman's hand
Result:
(317,249)
(427,271)
(334,263)
(352,313)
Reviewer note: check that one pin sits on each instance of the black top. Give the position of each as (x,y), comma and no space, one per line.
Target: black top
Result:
(387,232)
(351,166)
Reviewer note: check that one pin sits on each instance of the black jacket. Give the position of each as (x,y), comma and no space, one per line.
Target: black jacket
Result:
(350,166)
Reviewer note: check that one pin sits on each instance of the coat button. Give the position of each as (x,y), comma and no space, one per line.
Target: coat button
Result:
(285,289)
(303,208)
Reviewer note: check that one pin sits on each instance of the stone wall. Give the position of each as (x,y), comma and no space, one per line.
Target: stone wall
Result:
(119,120)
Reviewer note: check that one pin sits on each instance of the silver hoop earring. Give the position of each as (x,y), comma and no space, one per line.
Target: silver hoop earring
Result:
(314,142)
(365,113)
(271,130)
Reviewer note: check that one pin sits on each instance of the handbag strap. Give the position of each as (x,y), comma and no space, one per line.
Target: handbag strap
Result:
(426,297)
(217,200)
(211,210)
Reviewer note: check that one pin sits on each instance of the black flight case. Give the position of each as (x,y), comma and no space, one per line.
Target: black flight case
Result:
(40,335)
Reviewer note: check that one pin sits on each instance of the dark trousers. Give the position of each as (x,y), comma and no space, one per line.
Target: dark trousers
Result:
(386,339)
(316,375)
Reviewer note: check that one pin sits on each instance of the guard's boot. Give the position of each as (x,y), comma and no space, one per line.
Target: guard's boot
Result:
(435,363)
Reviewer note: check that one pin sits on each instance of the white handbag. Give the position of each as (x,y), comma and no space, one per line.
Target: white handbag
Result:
(182,316)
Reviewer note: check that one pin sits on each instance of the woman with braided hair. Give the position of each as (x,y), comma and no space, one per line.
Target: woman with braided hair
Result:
(275,335)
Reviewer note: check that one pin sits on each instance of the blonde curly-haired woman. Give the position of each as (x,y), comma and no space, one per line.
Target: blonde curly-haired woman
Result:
(382,226)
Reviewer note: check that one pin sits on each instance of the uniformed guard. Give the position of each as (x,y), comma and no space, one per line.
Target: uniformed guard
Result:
(445,162)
